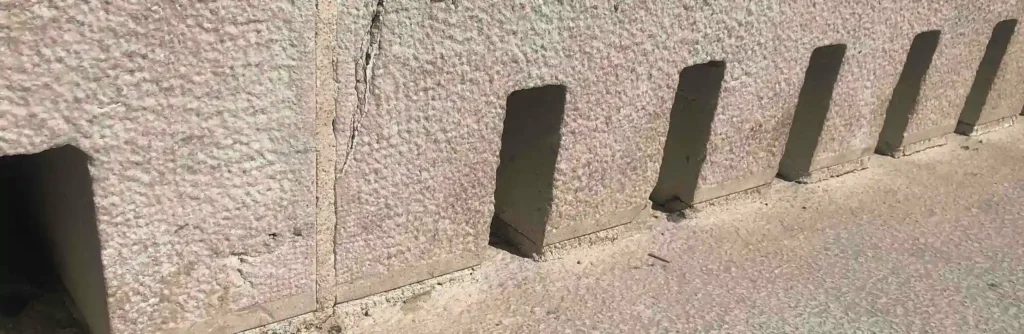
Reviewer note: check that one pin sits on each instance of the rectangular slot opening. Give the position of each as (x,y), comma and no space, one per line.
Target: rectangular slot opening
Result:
(986,75)
(49,245)
(530,140)
(906,92)
(689,130)
(811,111)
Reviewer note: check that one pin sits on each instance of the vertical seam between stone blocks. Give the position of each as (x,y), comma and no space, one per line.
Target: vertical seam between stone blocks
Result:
(326,95)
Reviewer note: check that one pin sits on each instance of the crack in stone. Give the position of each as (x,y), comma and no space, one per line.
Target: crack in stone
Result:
(364,80)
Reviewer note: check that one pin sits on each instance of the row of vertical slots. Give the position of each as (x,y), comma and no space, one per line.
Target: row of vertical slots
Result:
(531,135)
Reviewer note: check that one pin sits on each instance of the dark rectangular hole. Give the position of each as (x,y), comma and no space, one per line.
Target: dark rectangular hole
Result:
(49,245)
(530,141)
(689,130)
(907,90)
(811,110)
(986,74)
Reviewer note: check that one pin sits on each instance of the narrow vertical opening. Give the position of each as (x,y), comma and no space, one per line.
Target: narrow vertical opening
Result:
(51,276)
(530,140)
(811,110)
(986,74)
(689,130)
(906,92)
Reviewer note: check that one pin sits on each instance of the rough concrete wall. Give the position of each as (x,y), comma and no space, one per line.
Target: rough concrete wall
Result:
(197,118)
(202,125)
(417,165)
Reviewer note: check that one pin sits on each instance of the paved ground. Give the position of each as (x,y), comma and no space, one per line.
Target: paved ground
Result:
(932,242)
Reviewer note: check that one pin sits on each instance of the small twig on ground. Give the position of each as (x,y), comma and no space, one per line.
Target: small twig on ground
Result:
(658,258)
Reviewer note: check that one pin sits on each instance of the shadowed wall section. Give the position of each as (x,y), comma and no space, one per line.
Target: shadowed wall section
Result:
(530,141)
(811,110)
(693,111)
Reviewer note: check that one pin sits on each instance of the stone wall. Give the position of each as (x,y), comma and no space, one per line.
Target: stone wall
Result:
(252,161)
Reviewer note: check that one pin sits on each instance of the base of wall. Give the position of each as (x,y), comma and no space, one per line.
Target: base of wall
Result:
(833,171)
(560,249)
(978,129)
(612,220)
(919,146)
(253,316)
(756,180)
(400,277)
(833,166)
(528,247)
(921,141)
(755,194)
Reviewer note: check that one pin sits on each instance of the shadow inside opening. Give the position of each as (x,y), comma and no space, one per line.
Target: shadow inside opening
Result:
(530,140)
(811,111)
(51,276)
(685,150)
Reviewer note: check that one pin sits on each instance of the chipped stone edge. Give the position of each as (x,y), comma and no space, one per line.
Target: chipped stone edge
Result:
(919,146)
(921,141)
(980,129)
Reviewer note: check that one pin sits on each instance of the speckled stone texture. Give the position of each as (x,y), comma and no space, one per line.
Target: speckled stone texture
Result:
(198,121)
(966,28)
(866,83)
(418,155)
(1006,98)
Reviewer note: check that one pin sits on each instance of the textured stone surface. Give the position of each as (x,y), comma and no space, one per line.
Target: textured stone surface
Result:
(1005,99)
(423,146)
(866,83)
(198,121)
(965,29)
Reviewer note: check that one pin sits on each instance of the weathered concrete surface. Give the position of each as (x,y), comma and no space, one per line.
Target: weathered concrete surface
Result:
(941,253)
(197,118)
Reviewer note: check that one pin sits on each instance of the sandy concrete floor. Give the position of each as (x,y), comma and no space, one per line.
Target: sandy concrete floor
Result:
(933,242)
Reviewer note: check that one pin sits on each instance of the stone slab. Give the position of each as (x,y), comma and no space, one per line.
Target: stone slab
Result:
(980,129)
